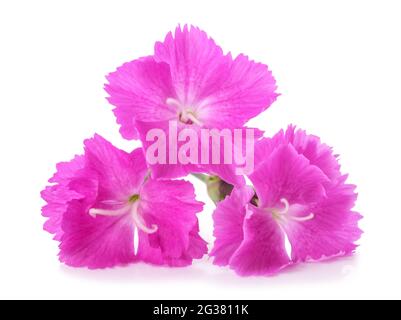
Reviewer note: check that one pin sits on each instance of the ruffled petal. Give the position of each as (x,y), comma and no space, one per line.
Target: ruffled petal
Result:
(310,146)
(67,170)
(333,229)
(58,198)
(120,174)
(262,251)
(287,174)
(60,194)
(139,90)
(149,251)
(246,90)
(98,242)
(228,220)
(232,171)
(196,63)
(171,206)
(223,91)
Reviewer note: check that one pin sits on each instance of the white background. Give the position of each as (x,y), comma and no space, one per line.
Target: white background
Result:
(337,64)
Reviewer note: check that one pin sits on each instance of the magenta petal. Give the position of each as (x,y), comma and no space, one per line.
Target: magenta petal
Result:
(58,198)
(196,63)
(263,250)
(226,172)
(246,90)
(228,219)
(150,252)
(171,206)
(197,247)
(98,242)
(318,153)
(170,169)
(225,92)
(287,174)
(332,231)
(60,194)
(165,168)
(120,174)
(67,170)
(139,90)
(233,172)
(310,146)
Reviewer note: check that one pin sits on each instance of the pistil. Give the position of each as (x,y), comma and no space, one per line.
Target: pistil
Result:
(131,207)
(280,214)
(185,114)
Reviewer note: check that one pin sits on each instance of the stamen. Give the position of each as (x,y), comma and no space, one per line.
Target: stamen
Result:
(113,202)
(139,221)
(286,206)
(103,212)
(190,116)
(173,103)
(131,207)
(310,216)
(185,116)
(280,214)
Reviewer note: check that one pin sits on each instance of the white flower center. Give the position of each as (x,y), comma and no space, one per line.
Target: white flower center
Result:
(284,213)
(185,114)
(131,207)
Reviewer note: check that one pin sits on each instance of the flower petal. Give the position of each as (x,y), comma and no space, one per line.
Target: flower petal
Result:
(60,194)
(246,90)
(120,174)
(171,206)
(166,168)
(228,219)
(58,198)
(139,90)
(67,170)
(98,242)
(332,231)
(310,146)
(196,63)
(263,250)
(232,171)
(224,92)
(287,174)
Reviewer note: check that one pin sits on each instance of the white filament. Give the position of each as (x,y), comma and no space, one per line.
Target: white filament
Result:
(284,213)
(174,103)
(185,114)
(102,212)
(133,209)
(286,206)
(188,115)
(139,221)
(301,219)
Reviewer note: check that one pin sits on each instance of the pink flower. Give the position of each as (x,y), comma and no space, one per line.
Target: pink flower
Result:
(300,195)
(100,200)
(189,81)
